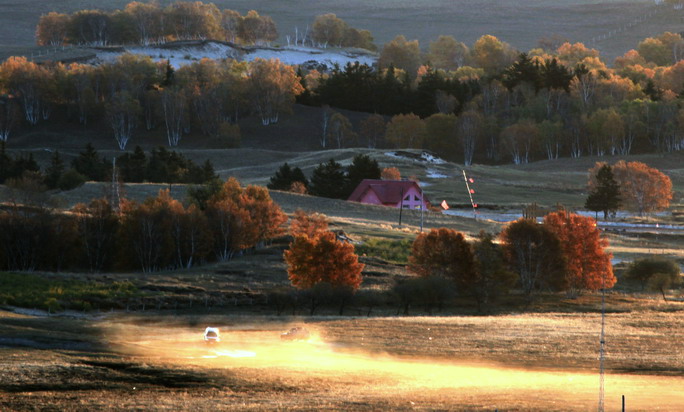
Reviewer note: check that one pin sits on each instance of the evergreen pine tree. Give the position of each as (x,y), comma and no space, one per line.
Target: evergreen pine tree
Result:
(133,167)
(22,164)
(54,172)
(208,172)
(91,165)
(5,163)
(362,167)
(606,196)
(329,180)
(285,176)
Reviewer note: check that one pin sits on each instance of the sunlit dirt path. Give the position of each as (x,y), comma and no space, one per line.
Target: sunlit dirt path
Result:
(359,372)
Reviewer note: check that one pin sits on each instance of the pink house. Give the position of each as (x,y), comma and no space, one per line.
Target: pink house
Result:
(390,193)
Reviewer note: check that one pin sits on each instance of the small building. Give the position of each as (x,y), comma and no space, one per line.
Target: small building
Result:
(390,193)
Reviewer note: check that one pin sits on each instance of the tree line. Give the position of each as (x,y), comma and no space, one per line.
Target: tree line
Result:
(491,103)
(566,253)
(149,23)
(485,103)
(208,96)
(329,179)
(160,233)
(161,166)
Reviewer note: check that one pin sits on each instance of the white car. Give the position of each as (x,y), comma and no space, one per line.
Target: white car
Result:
(212,335)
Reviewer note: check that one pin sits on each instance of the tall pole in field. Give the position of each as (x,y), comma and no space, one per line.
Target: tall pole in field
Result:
(116,196)
(602,347)
(421,209)
(401,204)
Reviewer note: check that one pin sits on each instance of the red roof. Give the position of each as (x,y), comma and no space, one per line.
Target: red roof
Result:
(388,191)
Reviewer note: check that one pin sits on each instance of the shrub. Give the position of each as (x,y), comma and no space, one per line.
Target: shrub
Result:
(643,270)
(71,179)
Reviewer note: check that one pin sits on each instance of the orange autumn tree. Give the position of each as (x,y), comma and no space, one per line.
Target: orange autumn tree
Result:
(390,173)
(587,262)
(643,189)
(242,218)
(445,253)
(309,224)
(322,259)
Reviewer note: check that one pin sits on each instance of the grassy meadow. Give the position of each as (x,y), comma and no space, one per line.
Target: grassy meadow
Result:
(544,361)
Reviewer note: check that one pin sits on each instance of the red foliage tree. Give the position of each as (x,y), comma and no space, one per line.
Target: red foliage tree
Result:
(308,224)
(390,173)
(145,233)
(242,218)
(643,189)
(322,258)
(587,262)
(444,252)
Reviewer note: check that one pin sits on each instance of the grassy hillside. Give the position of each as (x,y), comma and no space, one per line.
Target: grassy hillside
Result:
(521,23)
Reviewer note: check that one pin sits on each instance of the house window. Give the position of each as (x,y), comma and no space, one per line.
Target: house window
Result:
(407,198)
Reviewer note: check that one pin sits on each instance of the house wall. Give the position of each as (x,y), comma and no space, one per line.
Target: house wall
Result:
(413,202)
(370,198)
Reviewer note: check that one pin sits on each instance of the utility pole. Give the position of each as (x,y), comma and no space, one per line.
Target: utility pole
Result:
(401,204)
(115,195)
(602,347)
(421,209)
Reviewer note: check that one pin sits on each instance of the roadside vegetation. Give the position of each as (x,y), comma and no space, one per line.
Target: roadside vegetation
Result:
(56,294)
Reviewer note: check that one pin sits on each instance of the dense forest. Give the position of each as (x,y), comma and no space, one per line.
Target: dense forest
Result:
(485,103)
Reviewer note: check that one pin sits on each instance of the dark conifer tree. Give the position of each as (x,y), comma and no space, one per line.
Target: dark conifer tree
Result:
(329,180)
(54,172)
(91,165)
(5,163)
(285,176)
(606,196)
(555,76)
(133,167)
(362,167)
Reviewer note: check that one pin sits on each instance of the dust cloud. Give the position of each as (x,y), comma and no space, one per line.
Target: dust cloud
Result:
(263,349)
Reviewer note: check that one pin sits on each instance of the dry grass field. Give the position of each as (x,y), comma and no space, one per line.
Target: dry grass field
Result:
(543,362)
(521,23)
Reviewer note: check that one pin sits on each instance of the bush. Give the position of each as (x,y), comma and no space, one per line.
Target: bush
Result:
(643,270)
(71,179)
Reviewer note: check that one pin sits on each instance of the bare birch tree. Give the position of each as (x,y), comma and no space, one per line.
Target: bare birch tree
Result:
(173,103)
(469,127)
(122,113)
(8,117)
(273,87)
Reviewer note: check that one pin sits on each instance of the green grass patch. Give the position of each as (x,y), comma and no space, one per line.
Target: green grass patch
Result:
(393,251)
(39,292)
